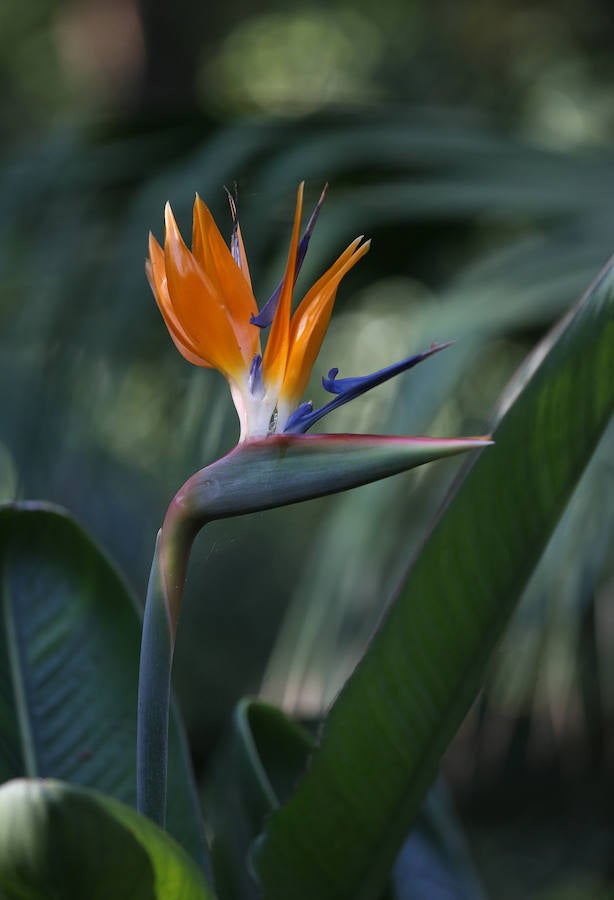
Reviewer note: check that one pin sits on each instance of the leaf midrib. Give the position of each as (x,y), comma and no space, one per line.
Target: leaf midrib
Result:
(16,668)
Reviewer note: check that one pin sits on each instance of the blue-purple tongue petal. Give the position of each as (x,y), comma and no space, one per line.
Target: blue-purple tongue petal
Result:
(346,389)
(267,313)
(256,383)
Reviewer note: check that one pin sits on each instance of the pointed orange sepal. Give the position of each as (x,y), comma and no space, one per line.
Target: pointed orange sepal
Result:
(156,275)
(277,348)
(310,322)
(215,258)
(199,305)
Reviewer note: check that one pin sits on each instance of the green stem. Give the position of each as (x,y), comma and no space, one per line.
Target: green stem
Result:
(153,700)
(162,607)
(256,475)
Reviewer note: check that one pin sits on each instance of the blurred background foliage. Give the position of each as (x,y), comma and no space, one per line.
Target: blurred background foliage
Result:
(472,142)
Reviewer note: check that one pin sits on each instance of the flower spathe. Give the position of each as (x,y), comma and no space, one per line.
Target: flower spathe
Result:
(205,296)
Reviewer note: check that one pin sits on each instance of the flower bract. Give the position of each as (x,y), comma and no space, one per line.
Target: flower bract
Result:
(205,296)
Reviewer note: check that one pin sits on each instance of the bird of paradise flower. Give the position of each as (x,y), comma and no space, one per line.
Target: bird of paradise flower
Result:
(208,304)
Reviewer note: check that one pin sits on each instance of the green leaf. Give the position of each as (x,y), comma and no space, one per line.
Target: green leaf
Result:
(69,653)
(61,841)
(339,834)
(254,771)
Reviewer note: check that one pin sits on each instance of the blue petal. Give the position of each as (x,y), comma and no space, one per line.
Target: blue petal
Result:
(256,383)
(346,389)
(301,414)
(267,313)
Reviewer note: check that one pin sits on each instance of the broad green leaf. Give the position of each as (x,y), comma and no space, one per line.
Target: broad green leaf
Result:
(69,654)
(57,840)
(340,832)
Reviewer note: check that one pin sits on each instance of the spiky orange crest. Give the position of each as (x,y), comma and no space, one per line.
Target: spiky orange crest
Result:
(205,296)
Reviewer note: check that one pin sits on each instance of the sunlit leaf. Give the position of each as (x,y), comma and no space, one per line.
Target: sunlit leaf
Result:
(57,840)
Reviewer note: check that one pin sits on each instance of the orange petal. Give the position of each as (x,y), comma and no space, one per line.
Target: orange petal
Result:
(243,257)
(276,351)
(198,305)
(156,275)
(310,322)
(217,262)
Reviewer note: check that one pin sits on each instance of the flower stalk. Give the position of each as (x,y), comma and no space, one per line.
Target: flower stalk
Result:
(206,299)
(154,700)
(256,475)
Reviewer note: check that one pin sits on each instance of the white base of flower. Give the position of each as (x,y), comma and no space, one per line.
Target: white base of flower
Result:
(255,413)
